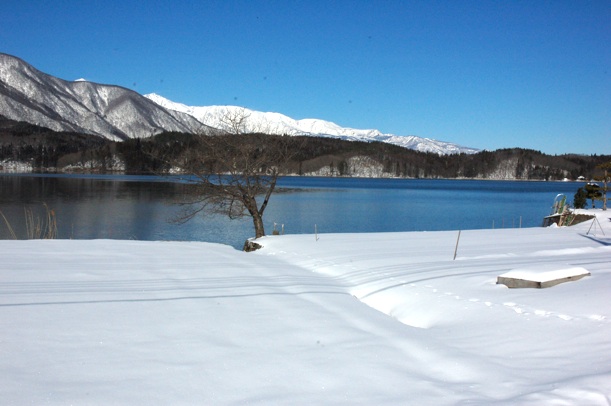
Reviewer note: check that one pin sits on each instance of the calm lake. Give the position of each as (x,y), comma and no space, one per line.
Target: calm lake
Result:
(142,207)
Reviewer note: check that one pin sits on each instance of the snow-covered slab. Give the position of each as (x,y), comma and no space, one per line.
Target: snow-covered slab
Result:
(530,278)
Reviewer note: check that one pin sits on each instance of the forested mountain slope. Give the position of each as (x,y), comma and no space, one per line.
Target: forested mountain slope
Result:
(25,147)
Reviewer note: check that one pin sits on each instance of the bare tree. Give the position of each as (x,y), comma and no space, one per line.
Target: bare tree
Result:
(235,121)
(235,173)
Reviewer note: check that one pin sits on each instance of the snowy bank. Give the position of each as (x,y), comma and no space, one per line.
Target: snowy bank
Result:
(386,318)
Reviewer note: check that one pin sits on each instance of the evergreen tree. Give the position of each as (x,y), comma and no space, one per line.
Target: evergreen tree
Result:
(580,199)
(593,193)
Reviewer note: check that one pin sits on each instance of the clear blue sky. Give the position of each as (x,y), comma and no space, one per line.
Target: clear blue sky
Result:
(485,74)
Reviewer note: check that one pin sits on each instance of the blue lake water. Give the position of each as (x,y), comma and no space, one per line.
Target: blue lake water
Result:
(142,207)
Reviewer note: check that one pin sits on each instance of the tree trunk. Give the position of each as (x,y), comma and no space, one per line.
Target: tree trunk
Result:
(257,220)
(257,215)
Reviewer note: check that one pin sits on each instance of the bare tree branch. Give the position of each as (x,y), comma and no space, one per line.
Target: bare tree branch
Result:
(235,173)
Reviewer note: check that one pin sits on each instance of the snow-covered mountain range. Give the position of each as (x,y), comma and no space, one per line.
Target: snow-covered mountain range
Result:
(276,123)
(117,113)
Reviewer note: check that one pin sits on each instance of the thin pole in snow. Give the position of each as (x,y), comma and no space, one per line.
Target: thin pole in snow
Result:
(456,249)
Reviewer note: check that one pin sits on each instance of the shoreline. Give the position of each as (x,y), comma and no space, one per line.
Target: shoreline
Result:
(112,175)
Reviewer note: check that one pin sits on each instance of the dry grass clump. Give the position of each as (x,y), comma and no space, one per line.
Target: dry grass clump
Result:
(37,227)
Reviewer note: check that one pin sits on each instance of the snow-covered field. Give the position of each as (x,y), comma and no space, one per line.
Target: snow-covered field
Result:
(372,319)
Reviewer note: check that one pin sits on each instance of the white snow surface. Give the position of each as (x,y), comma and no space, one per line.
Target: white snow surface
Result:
(276,123)
(384,319)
